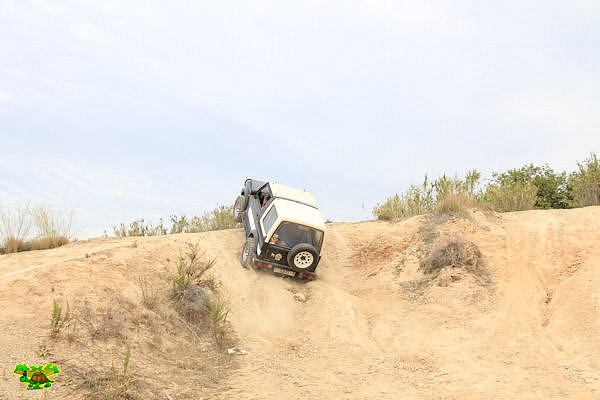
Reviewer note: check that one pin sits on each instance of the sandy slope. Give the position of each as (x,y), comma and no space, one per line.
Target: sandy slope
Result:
(371,327)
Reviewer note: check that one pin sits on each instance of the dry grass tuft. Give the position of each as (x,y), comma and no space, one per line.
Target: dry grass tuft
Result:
(454,203)
(106,322)
(13,245)
(455,253)
(193,304)
(117,385)
(34,227)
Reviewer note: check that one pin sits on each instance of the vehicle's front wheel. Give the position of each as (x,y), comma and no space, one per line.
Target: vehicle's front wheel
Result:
(248,252)
(302,256)
(238,207)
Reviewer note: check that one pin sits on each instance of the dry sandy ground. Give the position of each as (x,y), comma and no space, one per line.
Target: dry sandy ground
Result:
(526,325)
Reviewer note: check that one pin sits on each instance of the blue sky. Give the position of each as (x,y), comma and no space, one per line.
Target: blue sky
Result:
(146,108)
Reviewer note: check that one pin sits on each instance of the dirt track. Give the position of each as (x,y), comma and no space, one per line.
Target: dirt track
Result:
(371,326)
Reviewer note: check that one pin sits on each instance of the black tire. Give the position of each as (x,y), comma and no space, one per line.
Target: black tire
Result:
(303,256)
(248,252)
(238,208)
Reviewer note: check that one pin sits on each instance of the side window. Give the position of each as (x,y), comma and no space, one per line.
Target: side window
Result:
(269,219)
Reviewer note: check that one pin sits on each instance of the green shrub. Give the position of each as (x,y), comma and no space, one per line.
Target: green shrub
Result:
(416,201)
(190,270)
(552,189)
(58,320)
(518,189)
(192,301)
(219,218)
(444,195)
(509,197)
(586,183)
(217,311)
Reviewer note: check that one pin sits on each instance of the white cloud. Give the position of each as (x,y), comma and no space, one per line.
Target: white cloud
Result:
(550,127)
(410,16)
(372,93)
(553,113)
(6,97)
(14,73)
(86,32)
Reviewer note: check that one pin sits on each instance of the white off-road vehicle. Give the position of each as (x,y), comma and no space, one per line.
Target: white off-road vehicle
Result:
(284,229)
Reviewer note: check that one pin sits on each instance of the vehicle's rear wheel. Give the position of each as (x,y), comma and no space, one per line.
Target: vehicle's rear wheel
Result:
(238,207)
(302,256)
(248,252)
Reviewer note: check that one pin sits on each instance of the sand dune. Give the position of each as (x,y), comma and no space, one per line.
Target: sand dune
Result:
(523,323)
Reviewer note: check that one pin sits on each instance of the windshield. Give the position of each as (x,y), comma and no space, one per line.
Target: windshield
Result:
(289,234)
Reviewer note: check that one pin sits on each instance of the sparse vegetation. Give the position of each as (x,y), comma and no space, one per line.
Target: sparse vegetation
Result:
(454,203)
(34,227)
(211,282)
(417,200)
(122,382)
(118,385)
(585,183)
(13,245)
(15,224)
(219,218)
(149,295)
(509,197)
(107,322)
(444,258)
(140,227)
(194,303)
(58,320)
(443,195)
(52,222)
(548,189)
(525,188)
(120,320)
(218,310)
(190,269)
(191,300)
(456,253)
(454,195)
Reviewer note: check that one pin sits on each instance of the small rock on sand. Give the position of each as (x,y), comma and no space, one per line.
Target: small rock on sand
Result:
(300,297)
